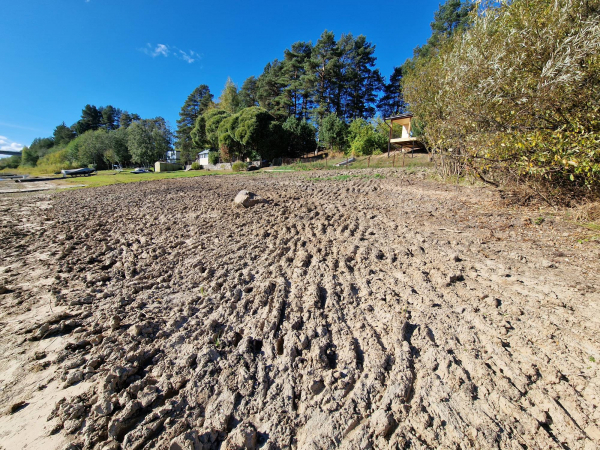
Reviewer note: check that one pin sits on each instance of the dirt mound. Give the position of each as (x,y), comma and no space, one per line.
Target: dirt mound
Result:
(372,310)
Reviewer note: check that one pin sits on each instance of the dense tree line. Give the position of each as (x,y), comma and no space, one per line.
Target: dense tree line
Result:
(510,91)
(102,137)
(324,94)
(314,93)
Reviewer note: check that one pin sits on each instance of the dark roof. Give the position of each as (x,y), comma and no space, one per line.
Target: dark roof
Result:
(400,116)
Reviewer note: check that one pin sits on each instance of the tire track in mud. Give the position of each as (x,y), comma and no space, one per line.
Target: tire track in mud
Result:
(339,314)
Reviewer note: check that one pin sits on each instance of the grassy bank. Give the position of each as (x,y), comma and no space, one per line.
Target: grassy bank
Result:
(106,177)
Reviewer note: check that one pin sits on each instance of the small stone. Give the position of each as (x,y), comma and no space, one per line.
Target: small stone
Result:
(247,199)
(115,323)
(16,407)
(136,330)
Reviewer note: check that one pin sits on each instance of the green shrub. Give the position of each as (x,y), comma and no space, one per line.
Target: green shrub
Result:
(213,158)
(364,139)
(196,165)
(511,102)
(239,166)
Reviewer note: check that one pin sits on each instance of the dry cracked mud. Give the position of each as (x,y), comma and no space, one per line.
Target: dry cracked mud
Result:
(377,310)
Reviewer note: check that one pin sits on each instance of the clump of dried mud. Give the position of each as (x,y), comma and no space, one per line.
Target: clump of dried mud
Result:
(380,311)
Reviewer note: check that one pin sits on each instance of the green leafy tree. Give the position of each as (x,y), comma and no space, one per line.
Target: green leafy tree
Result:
(148,140)
(29,158)
(39,147)
(229,148)
(229,101)
(206,129)
(333,131)
(364,138)
(63,135)
(259,134)
(198,133)
(195,105)
(91,147)
(12,162)
(301,137)
(117,141)
(213,157)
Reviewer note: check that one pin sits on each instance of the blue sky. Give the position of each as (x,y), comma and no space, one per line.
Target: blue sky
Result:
(147,56)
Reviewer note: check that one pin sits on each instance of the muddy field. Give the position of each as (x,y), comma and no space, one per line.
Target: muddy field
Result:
(379,310)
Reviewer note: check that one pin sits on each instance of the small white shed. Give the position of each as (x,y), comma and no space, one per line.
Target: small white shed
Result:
(203,157)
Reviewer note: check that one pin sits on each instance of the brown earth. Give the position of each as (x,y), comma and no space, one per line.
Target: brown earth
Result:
(379,311)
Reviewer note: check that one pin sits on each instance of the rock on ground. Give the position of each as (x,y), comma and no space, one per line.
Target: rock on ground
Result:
(247,199)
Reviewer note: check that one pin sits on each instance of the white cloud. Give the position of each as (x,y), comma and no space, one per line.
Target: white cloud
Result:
(8,145)
(188,57)
(166,50)
(159,50)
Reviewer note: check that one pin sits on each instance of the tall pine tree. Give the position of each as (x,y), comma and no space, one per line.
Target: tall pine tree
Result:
(91,118)
(322,66)
(295,77)
(363,82)
(392,100)
(248,94)
(196,104)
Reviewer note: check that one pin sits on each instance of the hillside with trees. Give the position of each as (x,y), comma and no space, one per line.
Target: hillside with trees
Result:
(102,137)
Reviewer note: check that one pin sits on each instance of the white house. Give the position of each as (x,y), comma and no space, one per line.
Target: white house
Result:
(203,157)
(173,156)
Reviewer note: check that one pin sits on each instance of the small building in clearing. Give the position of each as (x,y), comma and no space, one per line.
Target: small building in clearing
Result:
(406,139)
(203,157)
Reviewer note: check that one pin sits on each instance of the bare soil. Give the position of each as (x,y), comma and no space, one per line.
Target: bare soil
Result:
(379,310)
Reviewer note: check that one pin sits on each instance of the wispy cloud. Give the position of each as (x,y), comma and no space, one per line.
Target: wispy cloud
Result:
(188,57)
(159,50)
(7,145)
(167,50)
(12,125)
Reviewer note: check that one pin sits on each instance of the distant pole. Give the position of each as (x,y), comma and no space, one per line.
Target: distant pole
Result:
(368,162)
(326,161)
(403,155)
(389,141)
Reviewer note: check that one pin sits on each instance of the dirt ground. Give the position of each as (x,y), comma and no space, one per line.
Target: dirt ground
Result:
(378,310)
